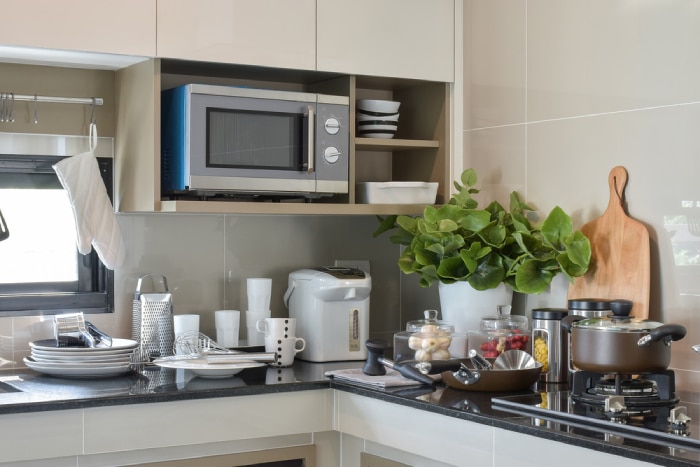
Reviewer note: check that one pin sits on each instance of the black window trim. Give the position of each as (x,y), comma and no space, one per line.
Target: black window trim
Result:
(14,303)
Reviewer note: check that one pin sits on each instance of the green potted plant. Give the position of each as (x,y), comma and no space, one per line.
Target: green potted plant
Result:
(458,242)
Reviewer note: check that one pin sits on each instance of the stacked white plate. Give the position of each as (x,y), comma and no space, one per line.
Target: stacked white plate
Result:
(81,362)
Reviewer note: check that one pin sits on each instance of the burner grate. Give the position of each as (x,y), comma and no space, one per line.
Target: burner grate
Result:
(656,390)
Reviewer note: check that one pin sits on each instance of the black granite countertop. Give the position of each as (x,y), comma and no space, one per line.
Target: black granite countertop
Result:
(33,392)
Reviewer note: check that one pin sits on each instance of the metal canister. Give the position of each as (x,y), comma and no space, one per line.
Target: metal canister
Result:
(590,307)
(550,344)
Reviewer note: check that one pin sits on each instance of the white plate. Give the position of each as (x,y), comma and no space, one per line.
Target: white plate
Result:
(82,355)
(50,345)
(79,359)
(201,368)
(79,371)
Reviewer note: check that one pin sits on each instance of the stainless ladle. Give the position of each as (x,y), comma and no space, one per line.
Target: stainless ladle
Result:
(466,375)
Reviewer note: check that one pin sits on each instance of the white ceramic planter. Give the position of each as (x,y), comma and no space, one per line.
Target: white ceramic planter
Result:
(463,306)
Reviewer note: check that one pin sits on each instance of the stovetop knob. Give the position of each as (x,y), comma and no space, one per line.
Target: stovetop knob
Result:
(678,420)
(615,404)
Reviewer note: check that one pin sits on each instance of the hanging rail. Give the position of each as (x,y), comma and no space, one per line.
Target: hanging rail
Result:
(7,104)
(58,100)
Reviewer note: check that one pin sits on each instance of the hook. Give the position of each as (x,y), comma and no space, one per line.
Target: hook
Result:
(92,114)
(11,112)
(36,111)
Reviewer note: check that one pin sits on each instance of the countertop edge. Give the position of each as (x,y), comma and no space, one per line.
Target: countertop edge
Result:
(32,405)
(540,432)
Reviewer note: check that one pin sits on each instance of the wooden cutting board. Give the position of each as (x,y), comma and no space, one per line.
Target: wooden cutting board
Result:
(620,253)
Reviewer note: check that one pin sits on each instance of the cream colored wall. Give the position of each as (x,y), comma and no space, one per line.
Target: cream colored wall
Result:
(557,92)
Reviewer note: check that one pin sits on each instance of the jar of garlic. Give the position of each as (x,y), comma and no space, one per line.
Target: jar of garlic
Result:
(424,340)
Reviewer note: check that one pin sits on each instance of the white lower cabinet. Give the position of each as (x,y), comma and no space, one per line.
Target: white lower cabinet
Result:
(511,448)
(326,428)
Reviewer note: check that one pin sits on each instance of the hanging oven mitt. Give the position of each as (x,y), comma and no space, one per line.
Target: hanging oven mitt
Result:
(95,221)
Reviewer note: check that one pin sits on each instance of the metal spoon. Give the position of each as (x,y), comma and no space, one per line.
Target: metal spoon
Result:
(466,375)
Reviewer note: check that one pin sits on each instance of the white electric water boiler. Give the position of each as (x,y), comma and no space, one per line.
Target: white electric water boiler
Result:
(331,306)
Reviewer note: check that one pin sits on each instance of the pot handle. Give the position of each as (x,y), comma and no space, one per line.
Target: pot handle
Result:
(568,320)
(667,332)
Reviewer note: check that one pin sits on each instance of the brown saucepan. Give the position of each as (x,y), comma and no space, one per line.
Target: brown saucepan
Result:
(619,343)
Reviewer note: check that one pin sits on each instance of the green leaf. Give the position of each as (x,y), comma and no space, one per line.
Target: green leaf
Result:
(556,227)
(488,274)
(532,278)
(578,249)
(469,178)
(385,224)
(474,220)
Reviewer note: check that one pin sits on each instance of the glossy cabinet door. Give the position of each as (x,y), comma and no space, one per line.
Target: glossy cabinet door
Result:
(125,27)
(397,38)
(275,33)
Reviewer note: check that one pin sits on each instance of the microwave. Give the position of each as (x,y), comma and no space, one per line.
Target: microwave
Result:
(245,142)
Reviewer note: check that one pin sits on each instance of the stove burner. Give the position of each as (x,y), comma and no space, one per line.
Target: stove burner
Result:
(655,390)
(625,387)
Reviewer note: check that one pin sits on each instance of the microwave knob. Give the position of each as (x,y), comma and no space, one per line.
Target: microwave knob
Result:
(332,126)
(331,155)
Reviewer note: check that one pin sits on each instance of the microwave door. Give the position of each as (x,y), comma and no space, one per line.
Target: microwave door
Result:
(255,150)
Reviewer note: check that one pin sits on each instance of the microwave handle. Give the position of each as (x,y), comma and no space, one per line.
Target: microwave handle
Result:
(311,141)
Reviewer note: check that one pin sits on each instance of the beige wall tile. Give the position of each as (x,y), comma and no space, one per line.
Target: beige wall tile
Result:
(608,83)
(603,56)
(498,156)
(494,62)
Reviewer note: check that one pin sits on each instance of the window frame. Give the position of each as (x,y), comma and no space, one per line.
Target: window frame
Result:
(32,299)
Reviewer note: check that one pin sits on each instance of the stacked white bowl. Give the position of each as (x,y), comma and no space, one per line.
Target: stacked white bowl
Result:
(377,118)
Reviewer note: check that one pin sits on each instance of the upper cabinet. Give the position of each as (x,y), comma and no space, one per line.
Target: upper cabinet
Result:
(274,33)
(397,38)
(125,27)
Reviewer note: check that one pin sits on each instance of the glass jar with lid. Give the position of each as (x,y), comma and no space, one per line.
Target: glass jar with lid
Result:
(424,339)
(501,332)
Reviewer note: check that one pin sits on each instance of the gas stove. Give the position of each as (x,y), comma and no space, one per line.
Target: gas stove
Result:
(643,407)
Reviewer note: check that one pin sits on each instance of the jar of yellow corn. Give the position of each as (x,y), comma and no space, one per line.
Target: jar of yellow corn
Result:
(550,344)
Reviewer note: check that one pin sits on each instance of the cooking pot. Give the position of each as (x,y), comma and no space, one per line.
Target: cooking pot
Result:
(620,344)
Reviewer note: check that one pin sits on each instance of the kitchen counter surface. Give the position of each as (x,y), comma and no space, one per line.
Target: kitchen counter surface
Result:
(33,392)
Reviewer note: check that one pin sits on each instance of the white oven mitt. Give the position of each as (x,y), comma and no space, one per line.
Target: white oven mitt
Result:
(95,221)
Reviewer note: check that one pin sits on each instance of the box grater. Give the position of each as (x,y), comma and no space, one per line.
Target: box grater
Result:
(152,321)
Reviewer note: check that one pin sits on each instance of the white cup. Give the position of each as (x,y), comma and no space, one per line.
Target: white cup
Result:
(227,327)
(259,290)
(251,320)
(277,327)
(187,325)
(285,347)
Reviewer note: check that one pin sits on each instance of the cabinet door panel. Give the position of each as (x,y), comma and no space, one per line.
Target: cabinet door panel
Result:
(276,33)
(399,38)
(125,27)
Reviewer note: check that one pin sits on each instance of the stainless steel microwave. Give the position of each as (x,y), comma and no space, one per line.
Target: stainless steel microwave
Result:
(238,141)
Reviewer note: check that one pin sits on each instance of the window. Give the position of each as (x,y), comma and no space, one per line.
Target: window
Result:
(41,271)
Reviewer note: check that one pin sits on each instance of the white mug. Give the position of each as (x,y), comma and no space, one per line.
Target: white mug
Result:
(285,348)
(277,327)
(227,327)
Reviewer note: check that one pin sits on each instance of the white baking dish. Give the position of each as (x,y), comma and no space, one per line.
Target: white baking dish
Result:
(396,192)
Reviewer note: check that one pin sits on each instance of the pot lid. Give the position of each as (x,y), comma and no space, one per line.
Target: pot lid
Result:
(617,324)
(618,321)
(430,320)
(503,321)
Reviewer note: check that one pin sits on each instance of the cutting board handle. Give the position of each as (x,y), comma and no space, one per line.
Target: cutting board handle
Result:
(617,181)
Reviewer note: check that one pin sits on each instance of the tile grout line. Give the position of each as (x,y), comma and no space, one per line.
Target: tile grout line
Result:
(548,120)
